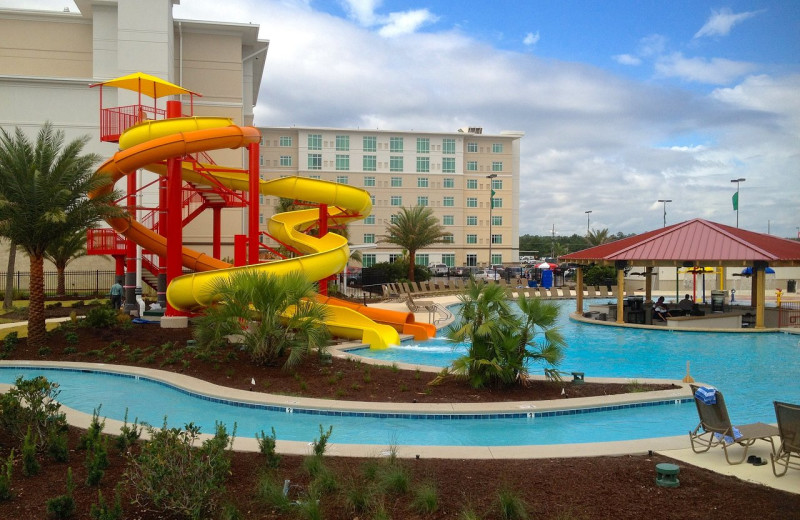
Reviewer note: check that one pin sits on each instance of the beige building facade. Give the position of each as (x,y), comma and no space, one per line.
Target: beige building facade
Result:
(448,172)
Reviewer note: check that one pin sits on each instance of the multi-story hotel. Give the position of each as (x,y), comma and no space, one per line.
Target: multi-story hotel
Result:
(454,173)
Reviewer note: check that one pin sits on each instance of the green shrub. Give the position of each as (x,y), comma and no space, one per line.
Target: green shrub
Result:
(32,403)
(30,465)
(100,318)
(92,434)
(321,443)
(426,499)
(192,482)
(128,435)
(57,445)
(63,506)
(5,477)
(96,461)
(395,479)
(11,341)
(104,511)
(266,445)
(270,492)
(511,506)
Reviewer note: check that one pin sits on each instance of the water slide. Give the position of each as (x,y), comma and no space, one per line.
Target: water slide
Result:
(148,144)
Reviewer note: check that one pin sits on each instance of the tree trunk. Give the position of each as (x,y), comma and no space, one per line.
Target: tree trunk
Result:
(8,300)
(411,258)
(61,289)
(36,322)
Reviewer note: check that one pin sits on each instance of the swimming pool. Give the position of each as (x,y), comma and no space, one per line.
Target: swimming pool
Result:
(752,369)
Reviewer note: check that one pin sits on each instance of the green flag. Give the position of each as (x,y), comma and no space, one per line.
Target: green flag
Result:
(735,201)
(492,198)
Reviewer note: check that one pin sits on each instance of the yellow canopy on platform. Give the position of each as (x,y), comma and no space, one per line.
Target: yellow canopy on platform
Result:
(146,84)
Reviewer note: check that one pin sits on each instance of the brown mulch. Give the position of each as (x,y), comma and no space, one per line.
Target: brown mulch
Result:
(574,488)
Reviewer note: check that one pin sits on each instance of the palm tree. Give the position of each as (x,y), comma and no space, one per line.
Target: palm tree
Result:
(414,229)
(280,314)
(43,196)
(8,296)
(502,342)
(63,251)
(598,237)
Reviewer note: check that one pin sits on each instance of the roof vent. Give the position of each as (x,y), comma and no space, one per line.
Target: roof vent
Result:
(471,129)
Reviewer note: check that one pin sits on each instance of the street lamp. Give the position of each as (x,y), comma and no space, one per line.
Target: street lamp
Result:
(587,221)
(491,207)
(736,198)
(665,209)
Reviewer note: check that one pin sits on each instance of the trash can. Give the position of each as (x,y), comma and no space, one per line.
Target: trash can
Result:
(791,286)
(717,301)
(532,283)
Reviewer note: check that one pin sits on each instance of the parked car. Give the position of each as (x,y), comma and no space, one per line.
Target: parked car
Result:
(438,269)
(464,271)
(487,275)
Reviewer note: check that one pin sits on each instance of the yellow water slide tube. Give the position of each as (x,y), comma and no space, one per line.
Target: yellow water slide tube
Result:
(148,144)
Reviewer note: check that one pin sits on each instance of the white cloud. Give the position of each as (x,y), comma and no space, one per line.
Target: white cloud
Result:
(715,71)
(531,38)
(627,59)
(406,22)
(652,45)
(363,11)
(721,22)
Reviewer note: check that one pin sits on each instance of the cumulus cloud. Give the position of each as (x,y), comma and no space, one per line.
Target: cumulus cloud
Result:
(406,22)
(531,39)
(714,71)
(721,22)
(627,59)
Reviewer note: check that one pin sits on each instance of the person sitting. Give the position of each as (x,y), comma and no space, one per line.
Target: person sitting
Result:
(696,311)
(685,305)
(660,309)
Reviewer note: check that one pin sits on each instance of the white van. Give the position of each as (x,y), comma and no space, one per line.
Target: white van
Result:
(438,269)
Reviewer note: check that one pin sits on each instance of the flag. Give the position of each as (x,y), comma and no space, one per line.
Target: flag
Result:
(492,198)
(735,200)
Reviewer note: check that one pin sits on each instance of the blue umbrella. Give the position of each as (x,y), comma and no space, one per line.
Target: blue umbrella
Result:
(748,271)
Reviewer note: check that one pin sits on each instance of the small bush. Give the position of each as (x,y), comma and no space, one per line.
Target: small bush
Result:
(128,435)
(270,492)
(100,318)
(96,461)
(10,342)
(30,466)
(57,445)
(92,434)
(321,443)
(511,506)
(396,480)
(63,506)
(104,511)
(192,482)
(426,499)
(266,445)
(32,403)
(5,477)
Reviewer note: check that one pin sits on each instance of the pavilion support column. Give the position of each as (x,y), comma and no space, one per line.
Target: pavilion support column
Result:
(753,289)
(648,284)
(579,293)
(758,288)
(620,295)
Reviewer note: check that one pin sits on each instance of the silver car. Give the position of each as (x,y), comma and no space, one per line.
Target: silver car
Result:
(487,275)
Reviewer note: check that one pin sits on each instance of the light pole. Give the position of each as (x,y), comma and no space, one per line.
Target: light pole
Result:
(665,209)
(736,198)
(587,222)
(491,207)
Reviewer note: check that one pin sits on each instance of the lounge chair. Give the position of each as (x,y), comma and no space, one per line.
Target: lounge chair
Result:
(788,454)
(715,428)
(590,293)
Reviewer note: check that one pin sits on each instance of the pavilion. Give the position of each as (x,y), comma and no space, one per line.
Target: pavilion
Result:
(694,243)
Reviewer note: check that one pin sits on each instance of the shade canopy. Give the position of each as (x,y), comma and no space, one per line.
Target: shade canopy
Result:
(748,271)
(546,265)
(146,84)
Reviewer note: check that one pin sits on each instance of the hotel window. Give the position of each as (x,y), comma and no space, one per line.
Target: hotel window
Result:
(472,260)
(448,164)
(472,166)
(423,145)
(422,200)
(286,140)
(286,160)
(372,199)
(449,259)
(422,182)
(368,259)
(497,220)
(315,141)
(396,163)
(342,162)
(313,177)
(260,218)
(497,259)
(393,220)
(448,146)
(472,184)
(448,220)
(397,182)
(369,220)
(422,259)
(472,202)
(369,238)
(369,163)
(497,166)
(472,147)
(370,143)
(448,239)
(423,164)
(448,182)
(448,202)
(369,181)
(497,147)
(497,239)
(341,179)
(497,184)
(342,143)
(472,220)
(395,144)
(315,161)
(497,202)
(394,257)
(472,239)
(396,200)
(261,160)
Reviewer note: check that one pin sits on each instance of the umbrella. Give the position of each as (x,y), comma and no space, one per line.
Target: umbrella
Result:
(695,271)
(546,265)
(748,271)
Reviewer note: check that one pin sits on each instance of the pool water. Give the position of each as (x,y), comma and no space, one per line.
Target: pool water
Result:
(752,370)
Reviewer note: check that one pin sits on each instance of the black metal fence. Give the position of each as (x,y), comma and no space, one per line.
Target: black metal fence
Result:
(95,282)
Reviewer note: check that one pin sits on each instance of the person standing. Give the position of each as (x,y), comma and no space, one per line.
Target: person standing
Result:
(116,295)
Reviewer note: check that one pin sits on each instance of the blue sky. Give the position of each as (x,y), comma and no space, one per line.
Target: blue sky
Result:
(622,102)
